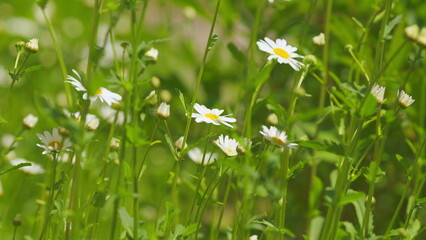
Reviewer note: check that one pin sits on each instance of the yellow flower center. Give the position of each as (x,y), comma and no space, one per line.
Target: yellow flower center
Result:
(55,145)
(278,141)
(281,52)
(211,116)
(99,91)
(228,151)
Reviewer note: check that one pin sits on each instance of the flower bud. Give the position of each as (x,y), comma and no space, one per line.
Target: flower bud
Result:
(153,53)
(19,45)
(378,92)
(17,220)
(115,144)
(30,121)
(163,110)
(272,119)
(32,45)
(165,95)
(319,40)
(152,98)
(404,99)
(179,143)
(155,82)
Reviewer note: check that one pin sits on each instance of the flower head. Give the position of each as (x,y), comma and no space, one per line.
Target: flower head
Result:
(412,32)
(153,53)
(179,144)
(319,40)
(103,94)
(196,155)
(276,137)
(281,51)
(404,99)
(254,237)
(115,143)
(227,145)
(53,143)
(30,121)
(163,110)
(33,169)
(378,92)
(211,116)
(32,45)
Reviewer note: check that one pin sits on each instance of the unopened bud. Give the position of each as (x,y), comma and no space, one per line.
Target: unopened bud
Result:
(17,220)
(152,98)
(115,143)
(179,144)
(163,110)
(155,81)
(272,119)
(19,45)
(32,45)
(319,40)
(30,121)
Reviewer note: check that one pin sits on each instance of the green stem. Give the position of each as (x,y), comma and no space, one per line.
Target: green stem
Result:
(194,97)
(225,202)
(284,185)
(407,186)
(51,194)
(61,60)
(325,53)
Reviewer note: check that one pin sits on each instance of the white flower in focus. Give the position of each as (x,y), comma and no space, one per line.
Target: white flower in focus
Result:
(33,169)
(32,45)
(103,94)
(281,51)
(30,121)
(228,145)
(163,110)
(319,40)
(276,137)
(196,155)
(378,92)
(53,143)
(404,99)
(153,53)
(211,116)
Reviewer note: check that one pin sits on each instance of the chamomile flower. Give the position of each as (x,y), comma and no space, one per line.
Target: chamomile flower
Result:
(211,116)
(378,92)
(196,155)
(30,121)
(103,94)
(404,99)
(227,145)
(276,137)
(53,142)
(34,169)
(32,45)
(281,51)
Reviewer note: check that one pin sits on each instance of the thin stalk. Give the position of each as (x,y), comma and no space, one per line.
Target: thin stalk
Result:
(50,200)
(70,100)
(194,97)
(375,167)
(225,202)
(407,186)
(284,185)
(325,53)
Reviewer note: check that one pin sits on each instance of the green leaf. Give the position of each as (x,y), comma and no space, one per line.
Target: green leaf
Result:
(314,196)
(182,100)
(420,201)
(296,169)
(126,221)
(358,23)
(390,26)
(190,230)
(236,53)
(170,212)
(15,167)
(313,145)
(403,162)
(369,106)
(172,148)
(33,68)
(350,197)
(374,171)
(99,198)
(134,136)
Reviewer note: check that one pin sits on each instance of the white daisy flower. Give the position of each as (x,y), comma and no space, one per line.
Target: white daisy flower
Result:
(211,116)
(228,145)
(92,121)
(276,137)
(163,110)
(53,143)
(153,53)
(281,51)
(404,99)
(103,94)
(378,92)
(196,155)
(32,45)
(33,169)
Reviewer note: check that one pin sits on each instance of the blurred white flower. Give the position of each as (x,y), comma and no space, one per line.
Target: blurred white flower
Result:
(108,113)
(163,110)
(276,137)
(378,92)
(153,53)
(32,45)
(30,121)
(53,142)
(103,94)
(412,32)
(228,145)
(33,169)
(179,142)
(404,99)
(281,51)
(152,98)
(115,143)
(196,155)
(319,40)
(254,237)
(92,122)
(211,116)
